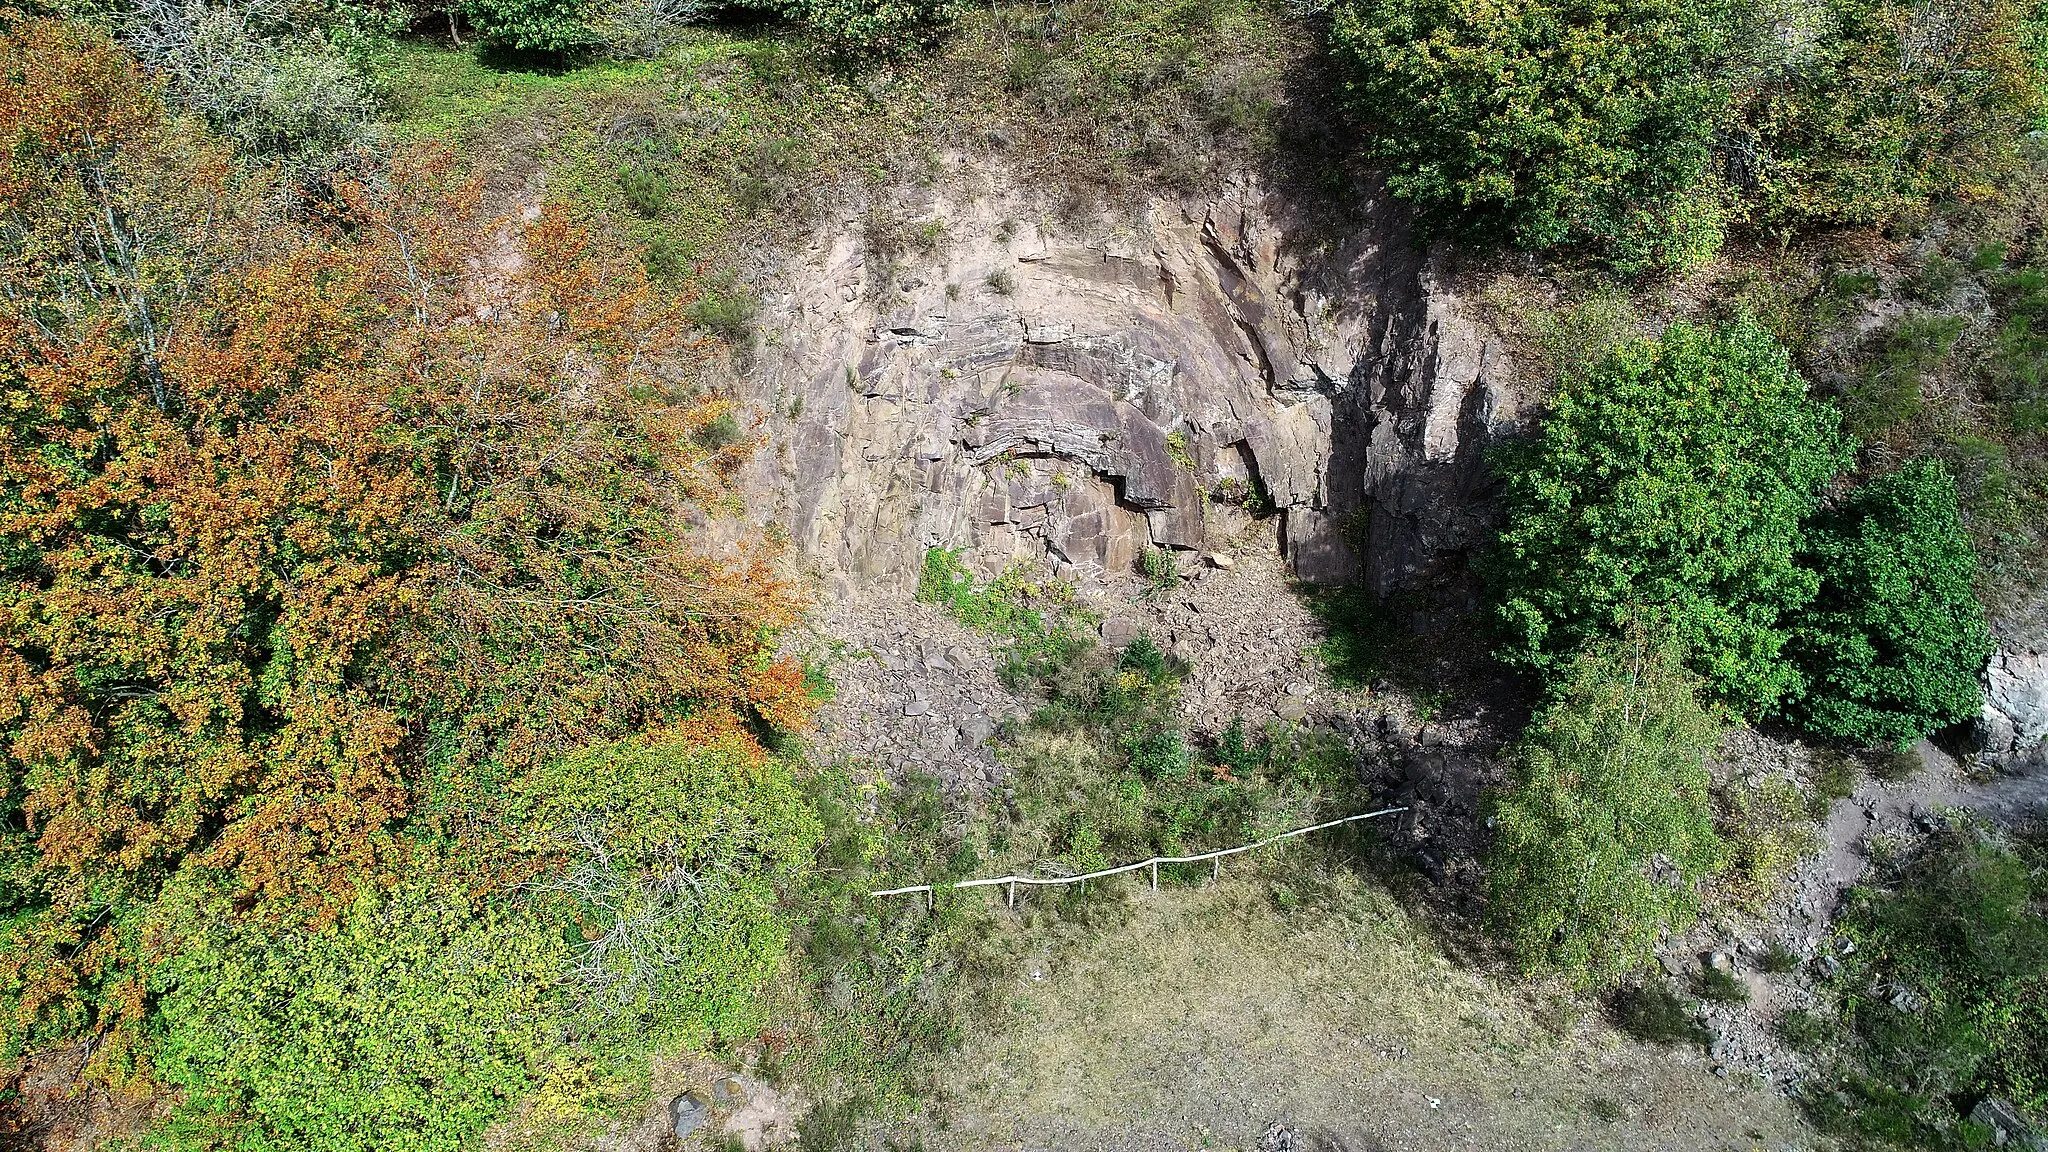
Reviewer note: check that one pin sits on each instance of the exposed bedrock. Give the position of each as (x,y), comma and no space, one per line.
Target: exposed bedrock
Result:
(1020,388)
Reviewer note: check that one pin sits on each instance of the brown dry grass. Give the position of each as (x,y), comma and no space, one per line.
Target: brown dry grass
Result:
(1210,1014)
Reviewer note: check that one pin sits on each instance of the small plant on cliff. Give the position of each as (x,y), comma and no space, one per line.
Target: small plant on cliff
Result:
(1248,496)
(1158,567)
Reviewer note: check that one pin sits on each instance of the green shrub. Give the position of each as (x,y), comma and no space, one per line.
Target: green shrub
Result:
(723,431)
(1158,567)
(645,188)
(1608,789)
(667,259)
(414,1022)
(1777,959)
(1670,477)
(531,25)
(1643,130)
(1893,645)
(678,849)
(1248,496)
(1570,122)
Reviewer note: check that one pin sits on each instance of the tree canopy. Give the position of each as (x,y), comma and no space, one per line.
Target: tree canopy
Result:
(1641,132)
(1895,641)
(1544,122)
(314,534)
(1671,478)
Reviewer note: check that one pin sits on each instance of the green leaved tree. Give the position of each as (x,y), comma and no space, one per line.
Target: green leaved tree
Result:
(1606,826)
(1671,478)
(1893,646)
(1545,122)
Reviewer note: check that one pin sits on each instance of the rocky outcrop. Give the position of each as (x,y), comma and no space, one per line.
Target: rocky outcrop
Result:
(2013,728)
(1027,389)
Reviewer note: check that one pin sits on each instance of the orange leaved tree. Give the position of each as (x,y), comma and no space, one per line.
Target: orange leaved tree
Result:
(315,526)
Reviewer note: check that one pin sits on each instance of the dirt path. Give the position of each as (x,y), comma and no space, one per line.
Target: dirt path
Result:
(1210,1015)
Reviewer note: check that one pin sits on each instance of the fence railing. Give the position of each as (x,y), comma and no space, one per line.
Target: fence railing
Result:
(1216,866)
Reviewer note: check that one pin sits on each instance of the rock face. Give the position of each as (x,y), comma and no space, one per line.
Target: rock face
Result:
(1023,389)
(2014,724)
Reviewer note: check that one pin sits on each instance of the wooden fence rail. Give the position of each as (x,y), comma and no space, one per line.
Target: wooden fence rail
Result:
(1216,867)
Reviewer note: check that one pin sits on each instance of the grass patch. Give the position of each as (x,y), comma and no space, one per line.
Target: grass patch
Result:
(1892,765)
(1834,778)
(878,988)
(1134,91)
(1778,959)
(1037,625)
(1803,1030)
(434,93)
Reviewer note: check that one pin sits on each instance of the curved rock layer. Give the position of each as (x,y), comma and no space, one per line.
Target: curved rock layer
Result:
(1019,388)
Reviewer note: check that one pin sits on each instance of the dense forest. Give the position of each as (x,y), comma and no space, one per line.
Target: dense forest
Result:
(408,724)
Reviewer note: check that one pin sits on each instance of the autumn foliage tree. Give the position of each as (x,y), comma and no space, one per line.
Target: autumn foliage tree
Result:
(316,527)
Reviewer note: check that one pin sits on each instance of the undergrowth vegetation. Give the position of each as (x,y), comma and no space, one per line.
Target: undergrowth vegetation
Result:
(1105,769)
(1945,998)
(1103,773)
